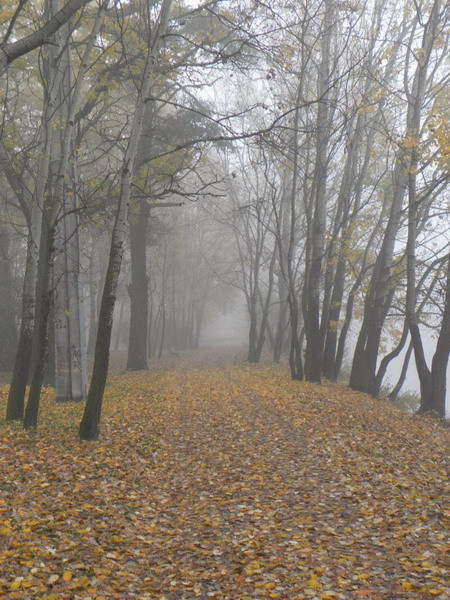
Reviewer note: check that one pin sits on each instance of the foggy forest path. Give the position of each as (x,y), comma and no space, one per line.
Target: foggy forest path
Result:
(228,481)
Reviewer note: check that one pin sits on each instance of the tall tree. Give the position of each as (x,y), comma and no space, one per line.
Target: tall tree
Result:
(53,208)
(382,287)
(90,423)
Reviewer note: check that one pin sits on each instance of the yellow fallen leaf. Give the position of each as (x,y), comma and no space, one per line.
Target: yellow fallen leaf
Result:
(67,576)
(313,583)
(15,585)
(407,586)
(364,576)
(435,592)
(5,531)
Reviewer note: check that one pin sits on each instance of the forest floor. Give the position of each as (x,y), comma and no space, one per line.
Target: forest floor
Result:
(223,480)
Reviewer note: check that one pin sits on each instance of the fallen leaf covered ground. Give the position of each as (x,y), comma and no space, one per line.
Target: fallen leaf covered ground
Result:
(228,482)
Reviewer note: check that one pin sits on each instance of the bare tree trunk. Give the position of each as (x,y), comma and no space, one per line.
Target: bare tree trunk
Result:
(70,353)
(94,292)
(401,380)
(138,290)
(281,321)
(163,328)
(119,327)
(7,305)
(440,358)
(389,358)
(40,333)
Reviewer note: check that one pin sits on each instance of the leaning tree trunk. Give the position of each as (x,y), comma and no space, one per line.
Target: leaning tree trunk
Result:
(90,423)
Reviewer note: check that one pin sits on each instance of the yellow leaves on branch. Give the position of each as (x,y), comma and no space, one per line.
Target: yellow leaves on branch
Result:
(439,127)
(6,14)
(370,102)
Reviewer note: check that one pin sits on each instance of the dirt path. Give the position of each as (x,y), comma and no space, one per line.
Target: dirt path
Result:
(232,482)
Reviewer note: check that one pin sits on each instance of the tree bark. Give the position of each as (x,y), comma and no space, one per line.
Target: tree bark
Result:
(138,290)
(316,227)
(440,358)
(7,305)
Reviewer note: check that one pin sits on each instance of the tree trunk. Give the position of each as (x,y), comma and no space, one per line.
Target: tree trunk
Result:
(138,290)
(119,327)
(40,334)
(440,358)
(401,380)
(7,305)
(316,226)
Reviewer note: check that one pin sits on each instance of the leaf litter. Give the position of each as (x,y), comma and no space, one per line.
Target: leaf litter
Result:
(226,481)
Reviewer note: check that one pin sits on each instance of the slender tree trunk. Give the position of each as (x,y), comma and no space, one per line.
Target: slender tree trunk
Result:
(401,380)
(265,309)
(389,358)
(163,329)
(150,344)
(119,327)
(295,353)
(281,321)
(16,397)
(93,294)
(40,333)
(7,305)
(440,358)
(138,290)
